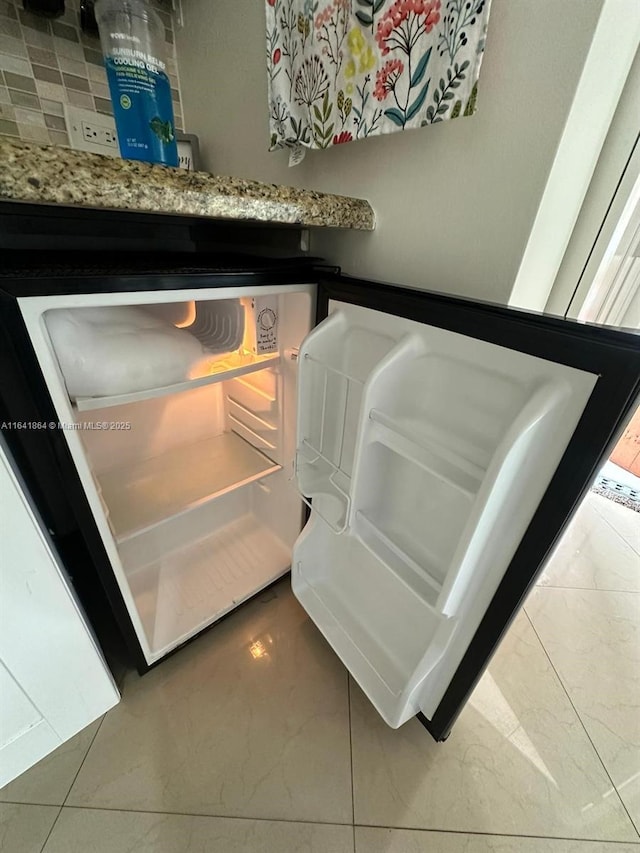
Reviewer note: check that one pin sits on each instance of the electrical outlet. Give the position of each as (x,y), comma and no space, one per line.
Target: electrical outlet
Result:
(89,131)
(95,134)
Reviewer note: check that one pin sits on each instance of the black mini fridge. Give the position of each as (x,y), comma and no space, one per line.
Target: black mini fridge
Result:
(411,458)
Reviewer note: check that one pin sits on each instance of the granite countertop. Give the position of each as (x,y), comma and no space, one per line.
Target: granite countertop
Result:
(49,174)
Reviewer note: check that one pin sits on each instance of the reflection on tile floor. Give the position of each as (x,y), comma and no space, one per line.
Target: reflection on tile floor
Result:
(601,678)
(517,762)
(215,731)
(258,755)
(599,550)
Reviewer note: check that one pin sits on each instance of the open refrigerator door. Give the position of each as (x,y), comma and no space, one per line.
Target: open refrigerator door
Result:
(424,454)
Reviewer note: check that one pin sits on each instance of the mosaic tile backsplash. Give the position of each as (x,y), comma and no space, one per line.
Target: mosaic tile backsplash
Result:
(45,63)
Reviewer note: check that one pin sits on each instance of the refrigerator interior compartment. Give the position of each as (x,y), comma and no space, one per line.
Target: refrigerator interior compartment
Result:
(169,461)
(208,371)
(147,492)
(190,571)
(380,628)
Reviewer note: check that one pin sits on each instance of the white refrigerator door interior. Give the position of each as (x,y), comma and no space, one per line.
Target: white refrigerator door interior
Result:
(425,454)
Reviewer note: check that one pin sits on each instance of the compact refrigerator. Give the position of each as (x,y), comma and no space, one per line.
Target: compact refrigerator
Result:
(411,458)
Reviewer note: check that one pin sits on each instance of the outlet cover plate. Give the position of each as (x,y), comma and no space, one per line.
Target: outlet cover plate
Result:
(89,131)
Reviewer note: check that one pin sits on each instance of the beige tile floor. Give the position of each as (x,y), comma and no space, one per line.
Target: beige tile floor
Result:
(219,751)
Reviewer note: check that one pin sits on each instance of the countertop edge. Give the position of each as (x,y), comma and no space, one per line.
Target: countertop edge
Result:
(62,177)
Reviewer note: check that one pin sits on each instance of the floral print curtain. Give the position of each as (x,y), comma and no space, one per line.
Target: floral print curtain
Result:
(341,70)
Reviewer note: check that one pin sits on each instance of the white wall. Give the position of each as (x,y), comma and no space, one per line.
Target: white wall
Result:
(455,203)
(589,232)
(613,47)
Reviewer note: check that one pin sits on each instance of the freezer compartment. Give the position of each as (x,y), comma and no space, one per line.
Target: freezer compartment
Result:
(188,572)
(117,354)
(219,325)
(207,372)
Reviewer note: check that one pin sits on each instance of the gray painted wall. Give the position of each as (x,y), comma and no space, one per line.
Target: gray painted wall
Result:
(455,203)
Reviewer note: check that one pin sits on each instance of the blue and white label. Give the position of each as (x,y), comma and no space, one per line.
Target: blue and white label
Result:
(141,97)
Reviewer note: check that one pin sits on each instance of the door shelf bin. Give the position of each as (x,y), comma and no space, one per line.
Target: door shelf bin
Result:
(387,636)
(430,453)
(334,412)
(324,484)
(324,459)
(421,577)
(408,515)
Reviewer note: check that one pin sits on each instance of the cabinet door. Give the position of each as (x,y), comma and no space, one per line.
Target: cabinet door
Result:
(442,445)
(53,679)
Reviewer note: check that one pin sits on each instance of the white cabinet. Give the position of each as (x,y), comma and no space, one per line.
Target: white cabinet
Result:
(53,678)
